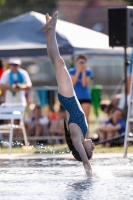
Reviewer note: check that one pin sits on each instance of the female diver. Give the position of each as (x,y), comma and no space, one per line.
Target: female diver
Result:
(75,124)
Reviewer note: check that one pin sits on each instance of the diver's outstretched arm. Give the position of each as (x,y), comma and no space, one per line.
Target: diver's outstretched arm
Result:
(86,163)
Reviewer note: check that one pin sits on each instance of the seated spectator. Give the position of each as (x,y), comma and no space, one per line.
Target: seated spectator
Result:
(52,115)
(1,68)
(1,95)
(115,126)
(108,105)
(57,126)
(36,125)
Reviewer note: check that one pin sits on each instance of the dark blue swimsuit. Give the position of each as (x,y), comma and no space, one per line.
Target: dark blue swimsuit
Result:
(76,115)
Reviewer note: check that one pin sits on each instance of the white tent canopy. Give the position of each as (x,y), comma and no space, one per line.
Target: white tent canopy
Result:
(81,37)
(22,36)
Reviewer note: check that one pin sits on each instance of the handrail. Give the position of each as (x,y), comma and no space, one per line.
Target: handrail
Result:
(110,139)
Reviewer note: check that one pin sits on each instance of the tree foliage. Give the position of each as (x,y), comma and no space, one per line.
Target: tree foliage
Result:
(130,2)
(12,8)
(2,2)
(29,3)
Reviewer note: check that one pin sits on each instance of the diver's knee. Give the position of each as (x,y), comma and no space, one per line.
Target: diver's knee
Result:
(61,62)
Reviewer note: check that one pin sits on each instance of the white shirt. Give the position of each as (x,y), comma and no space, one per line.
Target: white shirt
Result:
(42,120)
(19,97)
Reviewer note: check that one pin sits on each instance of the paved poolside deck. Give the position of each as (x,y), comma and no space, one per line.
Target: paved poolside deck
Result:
(60,156)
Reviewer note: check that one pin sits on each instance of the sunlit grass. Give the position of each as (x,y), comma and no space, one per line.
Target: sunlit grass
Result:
(38,149)
(98,149)
(61,149)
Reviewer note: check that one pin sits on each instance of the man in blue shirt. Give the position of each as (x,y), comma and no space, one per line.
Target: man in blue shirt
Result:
(115,126)
(81,77)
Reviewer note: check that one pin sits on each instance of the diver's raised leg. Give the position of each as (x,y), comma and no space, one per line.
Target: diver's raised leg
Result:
(65,86)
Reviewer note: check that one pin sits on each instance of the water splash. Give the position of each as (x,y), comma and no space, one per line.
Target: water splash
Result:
(103,173)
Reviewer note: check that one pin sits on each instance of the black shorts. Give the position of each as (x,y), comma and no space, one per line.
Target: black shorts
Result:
(85,101)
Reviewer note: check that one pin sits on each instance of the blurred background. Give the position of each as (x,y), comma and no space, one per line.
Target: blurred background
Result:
(106,63)
(91,14)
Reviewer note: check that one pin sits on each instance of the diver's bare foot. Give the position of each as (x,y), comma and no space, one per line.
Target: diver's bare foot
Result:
(50,22)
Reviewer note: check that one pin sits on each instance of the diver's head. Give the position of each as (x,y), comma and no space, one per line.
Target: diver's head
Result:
(89,147)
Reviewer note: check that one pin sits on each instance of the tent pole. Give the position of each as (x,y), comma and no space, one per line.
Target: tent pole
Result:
(125,74)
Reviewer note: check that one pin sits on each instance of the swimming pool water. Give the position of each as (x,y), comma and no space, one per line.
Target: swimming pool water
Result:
(63,179)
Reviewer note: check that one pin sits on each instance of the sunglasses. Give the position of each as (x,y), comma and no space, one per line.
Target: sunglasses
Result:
(14,65)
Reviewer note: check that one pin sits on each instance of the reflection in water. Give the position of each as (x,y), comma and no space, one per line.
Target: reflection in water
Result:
(77,189)
(55,179)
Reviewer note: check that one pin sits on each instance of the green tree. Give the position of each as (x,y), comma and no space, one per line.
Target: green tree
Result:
(130,2)
(2,2)
(30,3)
(12,8)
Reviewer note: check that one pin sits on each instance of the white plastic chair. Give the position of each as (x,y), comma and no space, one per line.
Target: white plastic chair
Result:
(12,112)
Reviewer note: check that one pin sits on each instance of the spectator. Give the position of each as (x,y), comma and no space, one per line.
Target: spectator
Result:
(57,126)
(15,81)
(36,125)
(1,68)
(115,126)
(108,105)
(1,95)
(1,72)
(81,77)
(129,76)
(52,115)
